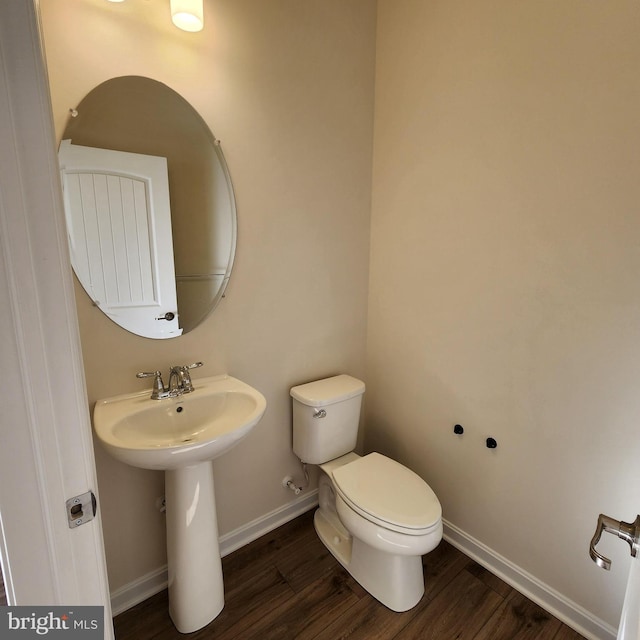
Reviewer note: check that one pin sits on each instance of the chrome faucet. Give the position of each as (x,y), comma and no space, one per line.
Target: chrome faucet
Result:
(179,381)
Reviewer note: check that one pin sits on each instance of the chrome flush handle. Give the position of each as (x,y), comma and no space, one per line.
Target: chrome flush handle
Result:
(628,531)
(319,413)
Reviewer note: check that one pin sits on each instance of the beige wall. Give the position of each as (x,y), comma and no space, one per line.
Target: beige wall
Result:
(504,253)
(288,88)
(505,273)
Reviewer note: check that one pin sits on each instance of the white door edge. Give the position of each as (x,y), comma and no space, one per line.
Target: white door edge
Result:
(46,448)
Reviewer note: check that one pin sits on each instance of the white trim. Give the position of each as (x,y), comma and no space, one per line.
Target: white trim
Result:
(47,452)
(155,581)
(555,603)
(139,590)
(260,526)
(572,614)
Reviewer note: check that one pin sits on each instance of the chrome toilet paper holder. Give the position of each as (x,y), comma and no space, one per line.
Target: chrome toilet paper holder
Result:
(628,531)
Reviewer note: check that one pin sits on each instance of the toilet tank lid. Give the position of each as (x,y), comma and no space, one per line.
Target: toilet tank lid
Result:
(327,391)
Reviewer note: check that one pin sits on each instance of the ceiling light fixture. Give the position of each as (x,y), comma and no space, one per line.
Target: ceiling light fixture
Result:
(187,15)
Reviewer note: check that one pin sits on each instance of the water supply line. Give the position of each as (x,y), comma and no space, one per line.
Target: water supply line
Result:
(628,531)
(288,483)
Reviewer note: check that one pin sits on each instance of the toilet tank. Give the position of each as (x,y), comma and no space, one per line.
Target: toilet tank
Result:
(326,416)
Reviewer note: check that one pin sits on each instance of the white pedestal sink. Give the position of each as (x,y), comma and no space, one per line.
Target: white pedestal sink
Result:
(181,436)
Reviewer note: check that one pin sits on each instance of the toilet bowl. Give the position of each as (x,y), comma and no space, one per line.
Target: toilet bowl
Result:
(377,517)
(370,535)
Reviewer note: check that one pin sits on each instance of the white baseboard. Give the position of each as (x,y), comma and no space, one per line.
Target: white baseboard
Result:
(555,603)
(148,585)
(139,590)
(270,521)
(572,614)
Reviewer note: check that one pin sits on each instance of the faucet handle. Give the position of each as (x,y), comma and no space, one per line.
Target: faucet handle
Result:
(158,384)
(149,374)
(187,385)
(182,378)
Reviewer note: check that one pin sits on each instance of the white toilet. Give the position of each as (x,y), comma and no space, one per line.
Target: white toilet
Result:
(376,517)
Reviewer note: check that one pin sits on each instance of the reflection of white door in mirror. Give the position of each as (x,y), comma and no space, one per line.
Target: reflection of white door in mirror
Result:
(119,226)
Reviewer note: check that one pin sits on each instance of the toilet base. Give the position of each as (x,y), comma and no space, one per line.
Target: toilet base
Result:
(397,581)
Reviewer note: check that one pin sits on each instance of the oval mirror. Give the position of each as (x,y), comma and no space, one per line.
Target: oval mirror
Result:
(150,209)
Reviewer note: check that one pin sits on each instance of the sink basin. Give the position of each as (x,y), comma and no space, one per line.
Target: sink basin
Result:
(182,436)
(177,432)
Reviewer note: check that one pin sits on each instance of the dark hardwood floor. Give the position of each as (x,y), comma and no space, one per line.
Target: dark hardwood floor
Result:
(286,585)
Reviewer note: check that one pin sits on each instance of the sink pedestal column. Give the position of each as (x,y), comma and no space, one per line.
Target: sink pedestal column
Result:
(196,591)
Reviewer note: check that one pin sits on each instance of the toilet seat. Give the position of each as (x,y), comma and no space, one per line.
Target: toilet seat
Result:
(388,494)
